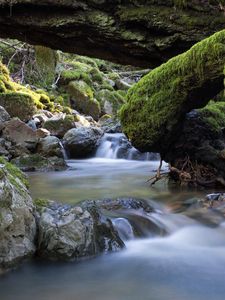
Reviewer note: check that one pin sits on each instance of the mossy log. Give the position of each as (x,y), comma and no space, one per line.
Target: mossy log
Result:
(143,33)
(154,113)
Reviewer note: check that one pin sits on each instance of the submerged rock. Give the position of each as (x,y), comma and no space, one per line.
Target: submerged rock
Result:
(82,142)
(17,221)
(37,162)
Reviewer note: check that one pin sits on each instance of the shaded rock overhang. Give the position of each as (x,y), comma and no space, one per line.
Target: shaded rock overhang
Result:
(140,33)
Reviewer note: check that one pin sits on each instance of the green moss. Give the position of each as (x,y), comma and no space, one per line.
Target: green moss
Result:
(40,202)
(80,89)
(86,60)
(33,161)
(72,75)
(46,60)
(96,75)
(159,101)
(20,101)
(67,110)
(66,123)
(122,93)
(214,115)
(180,3)
(83,97)
(113,97)
(106,86)
(14,174)
(113,76)
(18,104)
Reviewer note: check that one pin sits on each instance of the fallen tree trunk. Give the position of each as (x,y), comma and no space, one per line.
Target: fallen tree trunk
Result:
(159,116)
(158,103)
(141,33)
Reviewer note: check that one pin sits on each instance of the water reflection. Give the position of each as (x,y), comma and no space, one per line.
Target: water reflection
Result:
(100,178)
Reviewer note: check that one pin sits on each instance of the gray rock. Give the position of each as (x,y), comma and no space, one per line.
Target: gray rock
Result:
(122,85)
(59,124)
(111,126)
(50,146)
(67,232)
(82,142)
(20,133)
(32,124)
(4,116)
(17,222)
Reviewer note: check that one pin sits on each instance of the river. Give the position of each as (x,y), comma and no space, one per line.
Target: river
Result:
(186,264)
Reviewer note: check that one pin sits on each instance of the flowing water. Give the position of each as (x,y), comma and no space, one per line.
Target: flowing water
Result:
(186,264)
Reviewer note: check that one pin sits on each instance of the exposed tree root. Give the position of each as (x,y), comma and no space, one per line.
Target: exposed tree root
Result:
(158,176)
(188,173)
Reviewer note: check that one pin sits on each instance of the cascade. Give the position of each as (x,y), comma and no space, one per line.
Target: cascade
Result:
(117,146)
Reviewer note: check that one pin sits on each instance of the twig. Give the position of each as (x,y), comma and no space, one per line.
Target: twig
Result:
(158,175)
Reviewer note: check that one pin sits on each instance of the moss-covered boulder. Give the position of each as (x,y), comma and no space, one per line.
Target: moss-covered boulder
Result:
(20,101)
(75,70)
(18,105)
(46,60)
(157,104)
(17,221)
(82,99)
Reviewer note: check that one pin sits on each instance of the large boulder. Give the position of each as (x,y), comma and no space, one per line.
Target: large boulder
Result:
(67,233)
(18,104)
(156,106)
(18,132)
(17,221)
(82,142)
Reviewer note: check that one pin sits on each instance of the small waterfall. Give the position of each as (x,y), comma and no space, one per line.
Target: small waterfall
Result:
(63,151)
(116,145)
